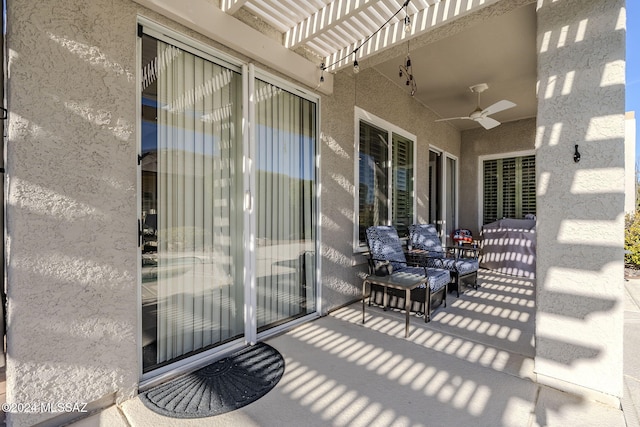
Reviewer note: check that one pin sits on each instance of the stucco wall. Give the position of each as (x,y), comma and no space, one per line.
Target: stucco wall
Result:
(72,196)
(507,138)
(581,73)
(370,91)
(71,207)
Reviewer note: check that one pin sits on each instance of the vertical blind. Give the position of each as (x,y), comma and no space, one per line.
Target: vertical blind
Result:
(509,188)
(193,222)
(285,204)
(199,235)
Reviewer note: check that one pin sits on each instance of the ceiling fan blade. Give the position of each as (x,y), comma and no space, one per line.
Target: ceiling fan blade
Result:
(454,118)
(497,107)
(488,122)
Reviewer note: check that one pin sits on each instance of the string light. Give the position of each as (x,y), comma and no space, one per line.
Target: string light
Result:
(407,20)
(356,66)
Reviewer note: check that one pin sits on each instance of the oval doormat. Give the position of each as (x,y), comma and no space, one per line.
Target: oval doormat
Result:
(223,386)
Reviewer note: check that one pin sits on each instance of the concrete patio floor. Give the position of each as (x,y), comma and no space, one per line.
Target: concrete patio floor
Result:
(472,365)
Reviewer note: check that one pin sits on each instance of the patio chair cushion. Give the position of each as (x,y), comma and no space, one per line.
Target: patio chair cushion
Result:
(385,245)
(462,265)
(425,237)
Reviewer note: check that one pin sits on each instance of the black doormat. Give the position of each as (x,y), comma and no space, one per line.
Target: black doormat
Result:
(223,386)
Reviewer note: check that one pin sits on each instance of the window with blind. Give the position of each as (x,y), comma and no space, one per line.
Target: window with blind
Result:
(509,188)
(386,179)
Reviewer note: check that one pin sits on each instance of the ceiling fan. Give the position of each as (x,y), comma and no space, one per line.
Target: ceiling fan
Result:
(481,116)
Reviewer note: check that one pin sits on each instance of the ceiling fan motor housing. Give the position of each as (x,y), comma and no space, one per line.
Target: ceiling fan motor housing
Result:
(479,88)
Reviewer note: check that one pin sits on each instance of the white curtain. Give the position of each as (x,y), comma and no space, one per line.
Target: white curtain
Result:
(199,281)
(285,204)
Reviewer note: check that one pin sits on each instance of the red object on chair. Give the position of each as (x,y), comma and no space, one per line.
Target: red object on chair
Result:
(462,235)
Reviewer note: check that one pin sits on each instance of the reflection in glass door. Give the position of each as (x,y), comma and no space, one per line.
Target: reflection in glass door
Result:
(191,190)
(285,128)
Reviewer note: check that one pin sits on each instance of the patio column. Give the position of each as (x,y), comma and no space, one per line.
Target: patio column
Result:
(580,267)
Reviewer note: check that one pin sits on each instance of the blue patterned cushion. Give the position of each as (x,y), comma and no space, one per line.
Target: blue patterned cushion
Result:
(436,278)
(425,237)
(384,244)
(466,265)
(461,265)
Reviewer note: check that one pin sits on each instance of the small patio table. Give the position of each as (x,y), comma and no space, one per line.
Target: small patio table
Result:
(402,281)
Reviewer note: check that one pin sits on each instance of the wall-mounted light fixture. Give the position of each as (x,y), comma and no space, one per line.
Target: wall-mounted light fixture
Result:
(576,155)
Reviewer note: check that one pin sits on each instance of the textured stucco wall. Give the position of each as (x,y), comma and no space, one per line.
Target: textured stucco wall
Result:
(71,215)
(507,138)
(370,91)
(71,204)
(581,93)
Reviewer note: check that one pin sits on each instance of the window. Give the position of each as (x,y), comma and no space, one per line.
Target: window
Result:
(509,188)
(385,177)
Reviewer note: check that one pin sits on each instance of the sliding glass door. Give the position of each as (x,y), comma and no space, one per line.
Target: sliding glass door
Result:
(217,268)
(285,205)
(192,229)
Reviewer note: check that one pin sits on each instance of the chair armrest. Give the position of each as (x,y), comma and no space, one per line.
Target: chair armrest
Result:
(381,267)
(423,259)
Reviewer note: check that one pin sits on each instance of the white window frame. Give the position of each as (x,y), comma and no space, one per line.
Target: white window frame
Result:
(481,160)
(456,190)
(252,336)
(443,156)
(362,115)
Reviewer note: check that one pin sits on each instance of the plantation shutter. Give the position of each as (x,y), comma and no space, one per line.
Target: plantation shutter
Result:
(402,184)
(509,188)
(490,207)
(528,185)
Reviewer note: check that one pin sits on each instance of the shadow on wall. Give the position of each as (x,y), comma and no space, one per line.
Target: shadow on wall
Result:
(580,204)
(71,199)
(580,219)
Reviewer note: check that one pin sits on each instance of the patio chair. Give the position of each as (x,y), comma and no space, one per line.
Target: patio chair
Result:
(386,257)
(424,240)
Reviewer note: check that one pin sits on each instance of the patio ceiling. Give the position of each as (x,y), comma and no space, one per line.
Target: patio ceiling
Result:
(453,44)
